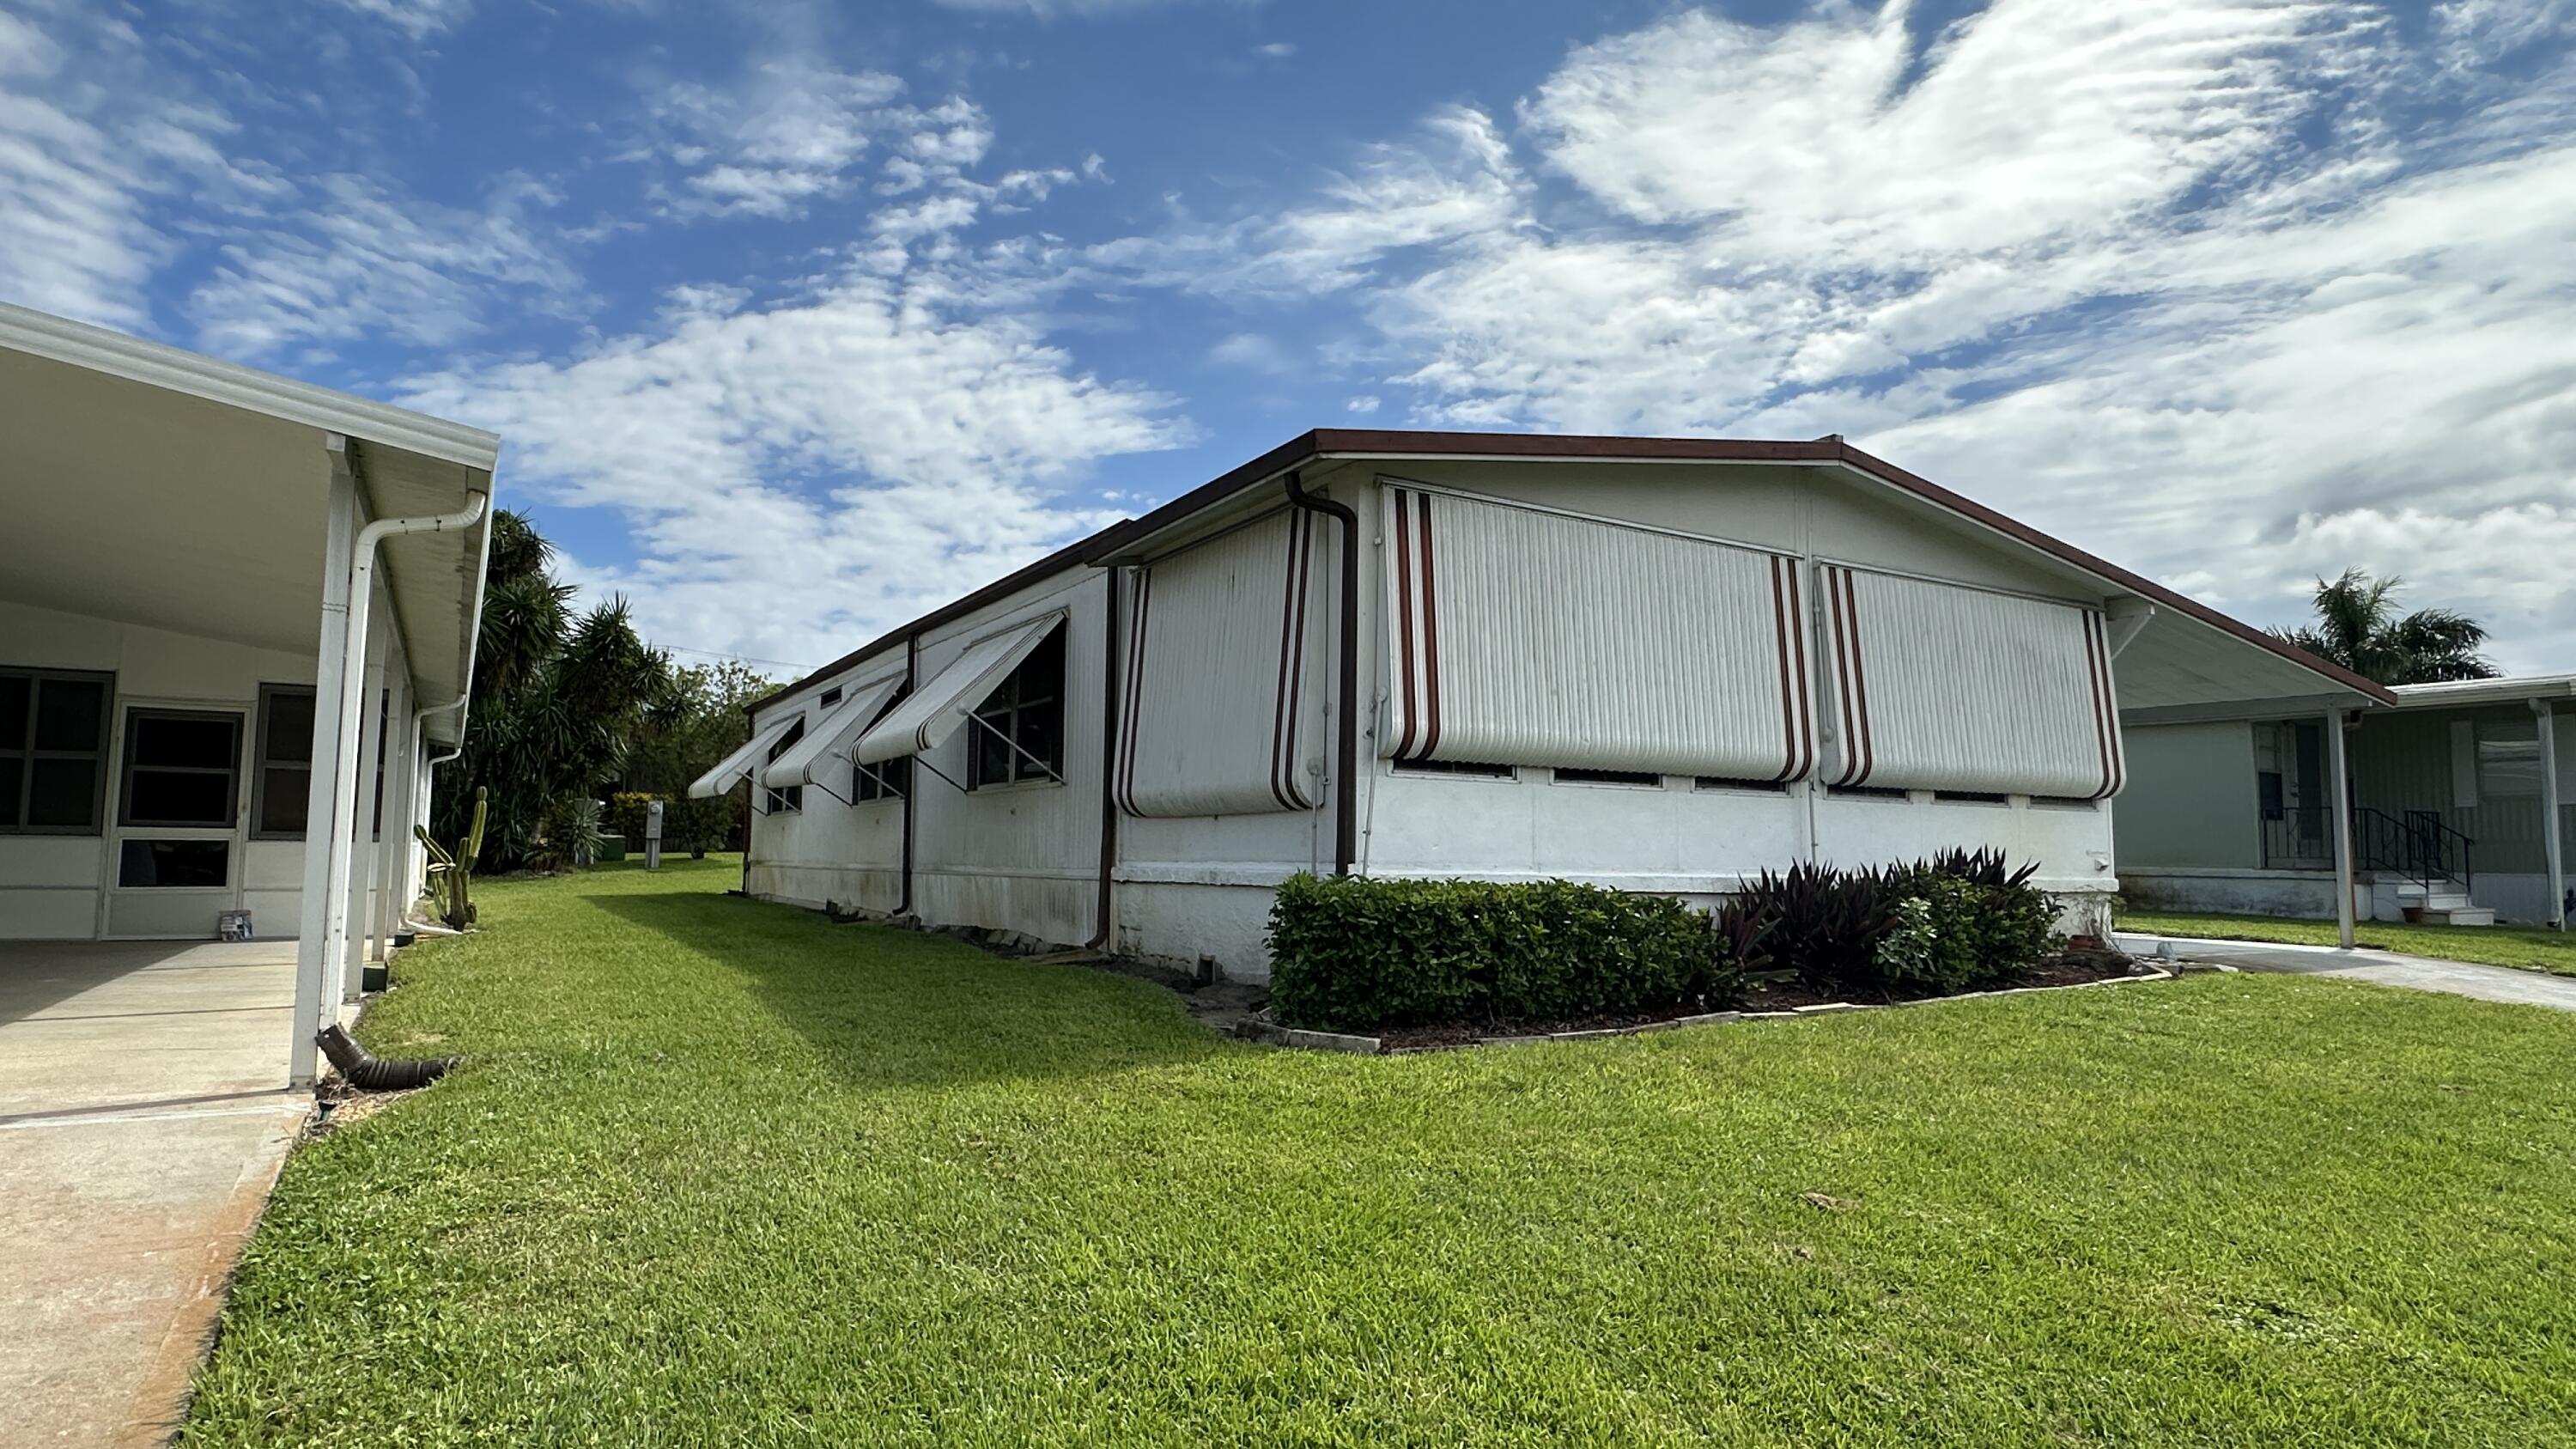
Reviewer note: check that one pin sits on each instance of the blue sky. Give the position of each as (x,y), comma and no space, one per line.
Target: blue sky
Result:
(799,319)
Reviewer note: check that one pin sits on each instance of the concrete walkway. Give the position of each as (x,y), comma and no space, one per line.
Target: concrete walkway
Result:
(2384,968)
(142,1120)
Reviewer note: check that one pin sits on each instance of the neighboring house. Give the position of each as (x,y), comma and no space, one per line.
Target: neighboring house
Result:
(2463,801)
(1652,664)
(175,602)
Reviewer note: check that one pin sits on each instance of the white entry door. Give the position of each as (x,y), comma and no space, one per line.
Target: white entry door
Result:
(178,810)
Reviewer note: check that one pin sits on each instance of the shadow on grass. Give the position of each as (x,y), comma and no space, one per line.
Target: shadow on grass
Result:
(886,1007)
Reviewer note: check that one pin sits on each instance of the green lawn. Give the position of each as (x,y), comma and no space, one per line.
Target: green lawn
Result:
(719,1172)
(2526,947)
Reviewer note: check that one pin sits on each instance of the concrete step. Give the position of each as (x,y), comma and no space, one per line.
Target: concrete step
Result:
(2463,916)
(2440,898)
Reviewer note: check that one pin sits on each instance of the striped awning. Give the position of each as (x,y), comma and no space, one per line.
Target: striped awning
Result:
(730,771)
(938,708)
(831,734)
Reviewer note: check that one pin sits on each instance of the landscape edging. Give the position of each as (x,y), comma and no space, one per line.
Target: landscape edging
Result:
(1302,1039)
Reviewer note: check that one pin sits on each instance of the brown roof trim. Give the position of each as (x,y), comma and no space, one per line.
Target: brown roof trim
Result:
(2021,532)
(1392,442)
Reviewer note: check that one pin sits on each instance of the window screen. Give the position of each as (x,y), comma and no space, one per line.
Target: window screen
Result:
(283,784)
(1019,730)
(53,750)
(182,768)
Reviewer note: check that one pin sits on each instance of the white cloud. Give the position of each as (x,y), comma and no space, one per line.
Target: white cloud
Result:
(791,133)
(90,139)
(2237,292)
(801,475)
(352,261)
(1082,9)
(416,19)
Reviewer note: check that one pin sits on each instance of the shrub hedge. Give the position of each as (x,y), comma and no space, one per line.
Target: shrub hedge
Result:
(1355,953)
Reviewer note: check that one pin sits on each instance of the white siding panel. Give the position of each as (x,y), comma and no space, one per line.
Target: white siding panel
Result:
(1220,658)
(1524,637)
(1940,687)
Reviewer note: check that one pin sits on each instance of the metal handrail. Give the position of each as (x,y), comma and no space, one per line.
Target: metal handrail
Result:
(2419,847)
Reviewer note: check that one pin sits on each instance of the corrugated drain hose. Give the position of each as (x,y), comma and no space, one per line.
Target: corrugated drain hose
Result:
(369,1072)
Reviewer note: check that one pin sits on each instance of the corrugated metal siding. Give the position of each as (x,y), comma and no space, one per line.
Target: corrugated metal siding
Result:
(1222,655)
(2401,761)
(1524,637)
(1939,687)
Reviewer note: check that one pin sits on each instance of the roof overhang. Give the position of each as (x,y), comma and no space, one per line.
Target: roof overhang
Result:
(155,486)
(2507,690)
(2182,654)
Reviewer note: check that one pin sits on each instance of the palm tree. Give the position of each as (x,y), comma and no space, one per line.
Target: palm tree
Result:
(2359,628)
(559,700)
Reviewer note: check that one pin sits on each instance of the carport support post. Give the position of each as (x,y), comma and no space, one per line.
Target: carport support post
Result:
(361,841)
(400,731)
(2342,790)
(312,962)
(2552,814)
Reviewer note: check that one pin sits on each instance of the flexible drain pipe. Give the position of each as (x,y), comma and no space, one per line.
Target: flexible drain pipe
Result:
(368,1072)
(353,688)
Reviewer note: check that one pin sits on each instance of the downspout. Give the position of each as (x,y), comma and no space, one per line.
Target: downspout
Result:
(1108,763)
(1346,717)
(353,680)
(912,780)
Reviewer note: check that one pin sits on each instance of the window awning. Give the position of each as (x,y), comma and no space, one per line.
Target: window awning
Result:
(731,770)
(826,739)
(935,712)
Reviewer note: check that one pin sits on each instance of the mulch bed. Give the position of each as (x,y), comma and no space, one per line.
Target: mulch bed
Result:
(2068,968)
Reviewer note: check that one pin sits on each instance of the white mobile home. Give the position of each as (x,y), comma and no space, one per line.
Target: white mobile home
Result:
(1651,664)
(223,591)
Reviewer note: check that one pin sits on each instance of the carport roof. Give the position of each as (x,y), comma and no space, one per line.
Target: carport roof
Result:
(2189,658)
(152,485)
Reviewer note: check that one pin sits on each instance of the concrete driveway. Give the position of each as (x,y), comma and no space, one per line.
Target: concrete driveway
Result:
(2383,968)
(143,1117)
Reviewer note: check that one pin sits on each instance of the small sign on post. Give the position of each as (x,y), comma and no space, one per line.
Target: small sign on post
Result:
(653,835)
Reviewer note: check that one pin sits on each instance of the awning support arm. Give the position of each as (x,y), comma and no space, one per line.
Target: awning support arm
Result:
(1015,748)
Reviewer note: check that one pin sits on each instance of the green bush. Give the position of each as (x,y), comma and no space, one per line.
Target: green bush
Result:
(627,811)
(1353,953)
(1957,920)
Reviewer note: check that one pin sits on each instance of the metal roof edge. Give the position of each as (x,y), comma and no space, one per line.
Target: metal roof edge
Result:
(175,369)
(1325,443)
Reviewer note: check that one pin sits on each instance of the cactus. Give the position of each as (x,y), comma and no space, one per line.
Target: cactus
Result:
(451,877)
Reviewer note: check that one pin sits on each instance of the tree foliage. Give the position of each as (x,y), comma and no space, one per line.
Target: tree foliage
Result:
(2358,627)
(560,700)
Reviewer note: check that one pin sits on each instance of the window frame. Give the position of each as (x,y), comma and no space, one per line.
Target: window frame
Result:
(125,768)
(261,762)
(26,756)
(887,779)
(781,799)
(1008,717)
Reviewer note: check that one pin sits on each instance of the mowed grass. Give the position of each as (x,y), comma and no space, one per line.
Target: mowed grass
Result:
(2524,947)
(719,1172)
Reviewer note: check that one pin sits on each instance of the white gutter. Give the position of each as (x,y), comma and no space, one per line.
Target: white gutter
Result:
(344,782)
(41,334)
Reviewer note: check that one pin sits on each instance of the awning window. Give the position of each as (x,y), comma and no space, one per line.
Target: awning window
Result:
(831,735)
(937,709)
(1218,693)
(1528,637)
(1944,687)
(730,771)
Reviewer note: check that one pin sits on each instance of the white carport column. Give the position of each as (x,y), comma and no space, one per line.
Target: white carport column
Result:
(348,779)
(340,527)
(2553,816)
(390,840)
(2342,789)
(359,871)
